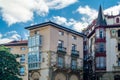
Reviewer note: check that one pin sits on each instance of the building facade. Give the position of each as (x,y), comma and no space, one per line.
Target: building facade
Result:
(103,36)
(20,48)
(55,52)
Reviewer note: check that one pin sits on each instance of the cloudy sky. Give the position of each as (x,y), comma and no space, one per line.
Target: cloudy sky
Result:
(15,15)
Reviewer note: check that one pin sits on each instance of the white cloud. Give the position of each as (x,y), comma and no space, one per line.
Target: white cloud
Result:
(16,37)
(59,4)
(10,32)
(26,34)
(5,40)
(89,14)
(76,25)
(9,36)
(114,10)
(14,11)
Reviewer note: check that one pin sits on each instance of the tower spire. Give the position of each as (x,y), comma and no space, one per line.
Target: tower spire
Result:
(100,19)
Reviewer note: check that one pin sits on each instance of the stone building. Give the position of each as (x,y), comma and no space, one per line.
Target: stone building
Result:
(103,36)
(55,52)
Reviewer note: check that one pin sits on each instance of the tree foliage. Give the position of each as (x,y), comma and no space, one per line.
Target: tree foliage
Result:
(9,67)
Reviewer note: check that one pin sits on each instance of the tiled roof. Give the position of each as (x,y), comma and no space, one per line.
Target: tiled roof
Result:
(16,43)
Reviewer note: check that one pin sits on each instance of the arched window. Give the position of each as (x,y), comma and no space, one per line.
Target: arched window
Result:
(117,20)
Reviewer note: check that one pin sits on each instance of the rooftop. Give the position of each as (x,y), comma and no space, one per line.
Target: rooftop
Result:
(16,43)
(54,25)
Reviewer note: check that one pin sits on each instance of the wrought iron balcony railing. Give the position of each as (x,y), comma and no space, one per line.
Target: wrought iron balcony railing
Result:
(74,53)
(61,50)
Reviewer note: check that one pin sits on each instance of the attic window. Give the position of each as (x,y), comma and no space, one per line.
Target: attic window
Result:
(117,20)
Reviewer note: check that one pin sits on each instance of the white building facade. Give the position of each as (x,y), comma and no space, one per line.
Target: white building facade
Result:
(104,46)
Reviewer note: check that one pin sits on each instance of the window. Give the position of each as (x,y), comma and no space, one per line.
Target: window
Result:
(60,61)
(100,62)
(73,47)
(22,59)
(23,48)
(101,33)
(22,71)
(36,32)
(117,20)
(74,64)
(101,47)
(35,41)
(74,37)
(118,33)
(118,46)
(118,61)
(61,33)
(34,57)
(60,43)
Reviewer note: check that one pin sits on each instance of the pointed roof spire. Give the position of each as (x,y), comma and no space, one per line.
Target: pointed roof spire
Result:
(101,20)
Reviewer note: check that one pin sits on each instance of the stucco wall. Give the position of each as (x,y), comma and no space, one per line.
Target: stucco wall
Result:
(111,52)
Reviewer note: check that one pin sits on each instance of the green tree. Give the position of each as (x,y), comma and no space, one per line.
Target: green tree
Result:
(9,67)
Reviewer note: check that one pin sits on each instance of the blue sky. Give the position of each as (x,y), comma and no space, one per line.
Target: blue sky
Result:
(15,15)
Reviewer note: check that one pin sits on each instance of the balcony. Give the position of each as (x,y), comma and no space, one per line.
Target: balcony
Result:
(61,50)
(66,67)
(100,40)
(74,53)
(34,65)
(98,69)
(100,53)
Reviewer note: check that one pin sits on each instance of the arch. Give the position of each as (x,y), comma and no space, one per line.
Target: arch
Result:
(60,76)
(74,77)
(35,76)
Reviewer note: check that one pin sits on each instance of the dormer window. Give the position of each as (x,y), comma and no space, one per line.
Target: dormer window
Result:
(117,20)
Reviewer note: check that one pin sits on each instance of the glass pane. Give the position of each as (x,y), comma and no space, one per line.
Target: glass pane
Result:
(22,71)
